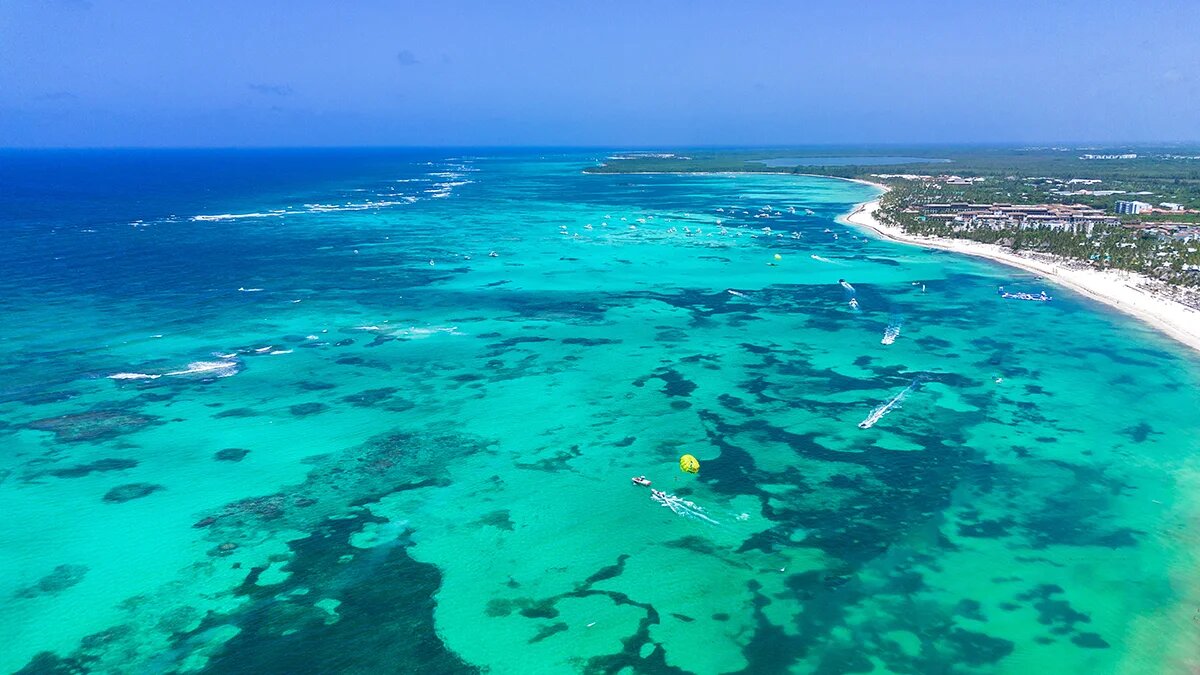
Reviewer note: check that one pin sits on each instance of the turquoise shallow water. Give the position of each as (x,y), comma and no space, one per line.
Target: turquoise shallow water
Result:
(324,453)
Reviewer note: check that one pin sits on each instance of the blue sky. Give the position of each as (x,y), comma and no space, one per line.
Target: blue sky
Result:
(649,73)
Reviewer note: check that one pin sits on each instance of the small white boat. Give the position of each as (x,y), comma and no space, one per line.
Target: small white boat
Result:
(1041,297)
(641,480)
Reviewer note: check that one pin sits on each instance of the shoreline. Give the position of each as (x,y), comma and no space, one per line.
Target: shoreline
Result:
(1117,289)
(1114,288)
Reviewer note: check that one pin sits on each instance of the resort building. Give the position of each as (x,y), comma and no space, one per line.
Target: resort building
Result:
(1127,207)
(1073,218)
(1182,232)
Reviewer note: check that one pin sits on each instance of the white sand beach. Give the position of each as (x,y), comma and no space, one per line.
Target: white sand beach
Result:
(1134,294)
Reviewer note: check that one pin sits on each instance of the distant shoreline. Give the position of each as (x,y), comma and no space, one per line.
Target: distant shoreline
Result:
(1123,291)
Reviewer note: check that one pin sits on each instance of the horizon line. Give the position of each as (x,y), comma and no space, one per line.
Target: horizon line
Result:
(1077,145)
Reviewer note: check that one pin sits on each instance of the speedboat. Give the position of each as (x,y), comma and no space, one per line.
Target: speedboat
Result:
(641,480)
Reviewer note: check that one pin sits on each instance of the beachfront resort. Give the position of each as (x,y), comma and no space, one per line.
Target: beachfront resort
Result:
(1159,242)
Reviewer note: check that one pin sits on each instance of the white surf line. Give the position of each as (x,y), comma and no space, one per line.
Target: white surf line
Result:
(221,368)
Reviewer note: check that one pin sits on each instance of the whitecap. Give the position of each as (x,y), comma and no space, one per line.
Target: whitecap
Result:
(359,206)
(417,333)
(218,368)
(237,216)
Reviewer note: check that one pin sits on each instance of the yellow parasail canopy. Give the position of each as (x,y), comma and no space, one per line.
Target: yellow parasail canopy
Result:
(689,464)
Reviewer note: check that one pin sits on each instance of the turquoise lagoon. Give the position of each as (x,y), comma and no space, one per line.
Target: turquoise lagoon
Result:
(344,437)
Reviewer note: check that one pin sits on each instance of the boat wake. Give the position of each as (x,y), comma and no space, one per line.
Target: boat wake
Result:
(681,506)
(893,403)
(849,294)
(891,332)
